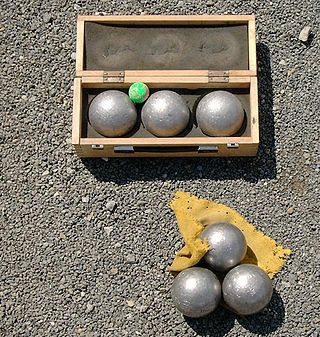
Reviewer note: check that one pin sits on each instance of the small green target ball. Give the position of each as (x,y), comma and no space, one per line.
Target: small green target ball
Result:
(138,92)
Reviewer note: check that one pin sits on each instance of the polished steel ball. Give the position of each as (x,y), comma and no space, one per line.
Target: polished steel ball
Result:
(196,292)
(112,113)
(220,114)
(247,289)
(165,114)
(228,246)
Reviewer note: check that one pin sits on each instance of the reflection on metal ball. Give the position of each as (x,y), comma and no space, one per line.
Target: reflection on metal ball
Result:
(247,289)
(196,292)
(165,114)
(112,113)
(227,246)
(220,114)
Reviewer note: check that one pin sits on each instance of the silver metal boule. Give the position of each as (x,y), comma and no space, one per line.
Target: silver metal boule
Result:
(196,292)
(165,114)
(112,113)
(247,289)
(228,246)
(220,114)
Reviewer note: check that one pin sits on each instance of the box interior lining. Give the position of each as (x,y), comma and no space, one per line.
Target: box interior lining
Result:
(192,98)
(150,47)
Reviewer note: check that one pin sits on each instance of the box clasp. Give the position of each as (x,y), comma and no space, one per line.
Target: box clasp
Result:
(207,148)
(123,149)
(218,76)
(113,76)
(97,147)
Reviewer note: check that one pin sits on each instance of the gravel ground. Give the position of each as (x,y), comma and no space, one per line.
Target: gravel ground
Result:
(85,244)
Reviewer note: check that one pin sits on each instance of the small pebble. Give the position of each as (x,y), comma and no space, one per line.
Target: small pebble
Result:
(111,205)
(283,63)
(304,34)
(291,71)
(73,56)
(130,303)
(114,271)
(130,258)
(89,307)
(143,308)
(70,170)
(47,18)
(62,236)
(108,230)
(90,216)
(85,199)
(290,210)
(33,26)
(292,278)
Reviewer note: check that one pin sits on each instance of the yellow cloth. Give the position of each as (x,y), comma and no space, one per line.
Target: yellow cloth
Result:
(194,214)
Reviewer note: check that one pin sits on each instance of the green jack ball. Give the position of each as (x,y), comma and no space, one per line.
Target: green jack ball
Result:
(138,92)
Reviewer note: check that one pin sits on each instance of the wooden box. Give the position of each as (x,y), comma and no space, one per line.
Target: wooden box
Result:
(189,54)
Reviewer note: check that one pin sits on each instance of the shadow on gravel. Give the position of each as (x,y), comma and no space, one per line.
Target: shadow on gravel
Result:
(267,321)
(217,324)
(263,166)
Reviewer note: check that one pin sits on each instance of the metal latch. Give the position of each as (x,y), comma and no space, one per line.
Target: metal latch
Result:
(123,149)
(232,145)
(207,148)
(97,147)
(113,76)
(218,76)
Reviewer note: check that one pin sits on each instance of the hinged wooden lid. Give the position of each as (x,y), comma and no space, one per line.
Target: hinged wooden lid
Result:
(127,48)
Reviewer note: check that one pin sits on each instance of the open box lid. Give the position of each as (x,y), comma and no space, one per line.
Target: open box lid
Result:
(204,48)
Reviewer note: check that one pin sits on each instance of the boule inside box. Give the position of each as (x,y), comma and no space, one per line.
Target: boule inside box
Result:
(191,55)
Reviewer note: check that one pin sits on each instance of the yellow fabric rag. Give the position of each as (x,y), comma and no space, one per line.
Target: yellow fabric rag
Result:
(193,214)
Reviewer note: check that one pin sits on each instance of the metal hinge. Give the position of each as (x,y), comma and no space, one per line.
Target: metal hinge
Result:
(218,76)
(113,76)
